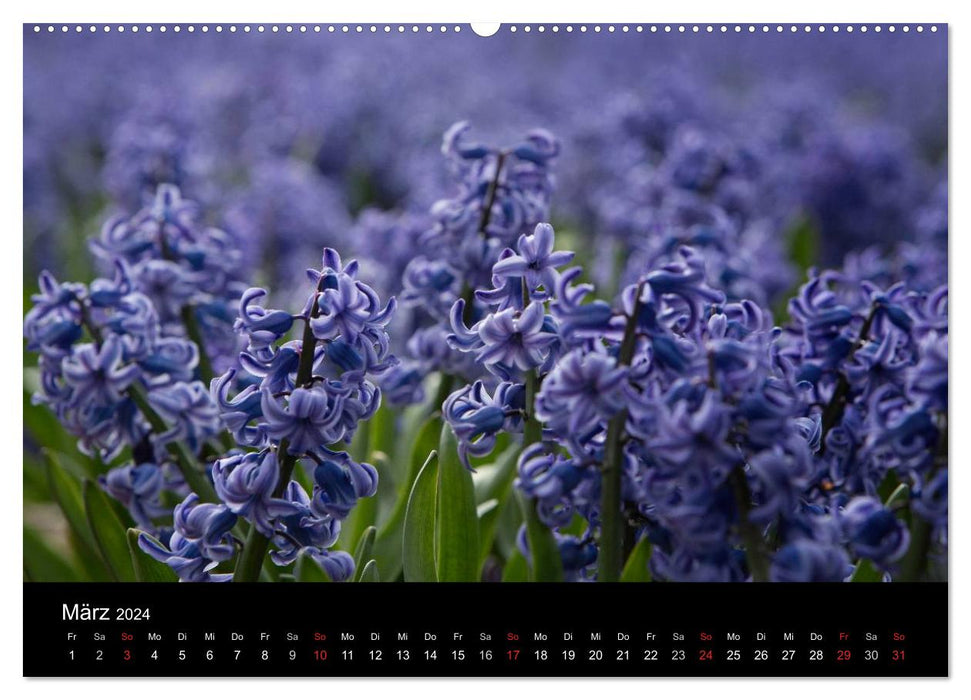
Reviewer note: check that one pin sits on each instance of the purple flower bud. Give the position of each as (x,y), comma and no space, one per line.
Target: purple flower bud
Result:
(477,418)
(535,261)
(806,561)
(200,541)
(873,531)
(339,483)
(246,482)
(264,327)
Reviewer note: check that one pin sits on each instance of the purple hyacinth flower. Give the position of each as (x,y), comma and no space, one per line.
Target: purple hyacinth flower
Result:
(535,260)
(238,414)
(339,566)
(873,531)
(477,418)
(506,340)
(99,377)
(583,390)
(263,326)
(245,483)
(546,476)
(346,308)
(138,487)
(302,531)
(201,539)
(308,419)
(339,483)
(809,561)
(190,412)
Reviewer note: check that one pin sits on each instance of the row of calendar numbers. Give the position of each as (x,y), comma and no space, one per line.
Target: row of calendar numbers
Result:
(321,655)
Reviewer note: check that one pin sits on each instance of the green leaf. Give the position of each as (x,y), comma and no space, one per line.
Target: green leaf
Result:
(360,445)
(899,497)
(369,574)
(803,245)
(146,568)
(89,560)
(508,525)
(488,514)
(66,491)
(484,510)
(39,422)
(866,572)
(411,422)
(382,433)
(495,480)
(387,546)
(636,569)
(457,526)
(802,249)
(109,532)
(42,563)
(309,571)
(362,552)
(543,550)
(495,487)
(516,569)
(418,537)
(34,480)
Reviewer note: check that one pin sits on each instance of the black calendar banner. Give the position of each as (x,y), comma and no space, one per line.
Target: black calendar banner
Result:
(485,630)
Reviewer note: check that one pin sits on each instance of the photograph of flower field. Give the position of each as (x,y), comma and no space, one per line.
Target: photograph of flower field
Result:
(544,306)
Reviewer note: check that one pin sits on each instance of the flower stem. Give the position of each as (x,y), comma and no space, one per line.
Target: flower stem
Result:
(250,560)
(194,333)
(547,565)
(185,461)
(833,411)
(914,563)
(445,383)
(532,430)
(758,563)
(913,566)
(468,293)
(189,321)
(490,198)
(611,481)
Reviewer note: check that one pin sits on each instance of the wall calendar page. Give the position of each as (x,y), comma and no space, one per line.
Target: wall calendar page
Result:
(420,350)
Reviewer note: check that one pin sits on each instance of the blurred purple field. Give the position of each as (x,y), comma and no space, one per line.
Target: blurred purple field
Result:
(752,387)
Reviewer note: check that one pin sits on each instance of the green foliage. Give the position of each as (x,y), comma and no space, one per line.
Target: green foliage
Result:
(866,572)
(432,519)
(636,570)
(65,490)
(369,574)
(802,251)
(802,244)
(42,563)
(362,553)
(493,484)
(146,568)
(307,570)
(899,497)
(387,546)
(488,514)
(544,553)
(516,569)
(108,531)
(457,524)
(418,539)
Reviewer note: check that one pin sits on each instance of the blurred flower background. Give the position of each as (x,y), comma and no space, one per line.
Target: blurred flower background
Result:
(776,203)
